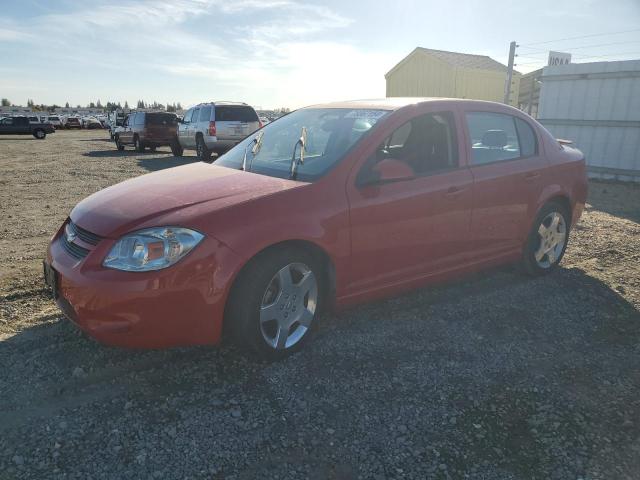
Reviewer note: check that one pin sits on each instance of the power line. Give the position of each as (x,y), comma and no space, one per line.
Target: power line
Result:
(582,36)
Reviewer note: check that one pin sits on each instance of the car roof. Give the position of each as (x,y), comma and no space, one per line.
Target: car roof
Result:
(223,102)
(396,103)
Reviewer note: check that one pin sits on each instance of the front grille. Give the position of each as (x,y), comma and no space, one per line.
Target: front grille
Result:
(72,249)
(84,235)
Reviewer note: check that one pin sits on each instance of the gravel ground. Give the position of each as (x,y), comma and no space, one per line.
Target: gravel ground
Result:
(497,376)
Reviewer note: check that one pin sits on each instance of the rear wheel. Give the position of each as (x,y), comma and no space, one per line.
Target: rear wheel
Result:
(275,303)
(176,149)
(204,154)
(40,134)
(138,145)
(547,240)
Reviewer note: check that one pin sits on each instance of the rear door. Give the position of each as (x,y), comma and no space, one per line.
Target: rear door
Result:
(235,122)
(508,170)
(192,128)
(183,128)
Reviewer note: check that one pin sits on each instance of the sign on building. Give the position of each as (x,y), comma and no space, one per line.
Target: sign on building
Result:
(559,58)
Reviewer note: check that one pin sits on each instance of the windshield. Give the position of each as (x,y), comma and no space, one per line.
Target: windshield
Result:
(331,132)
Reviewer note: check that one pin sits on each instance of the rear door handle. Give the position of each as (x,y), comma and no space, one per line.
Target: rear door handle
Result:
(529,177)
(453,192)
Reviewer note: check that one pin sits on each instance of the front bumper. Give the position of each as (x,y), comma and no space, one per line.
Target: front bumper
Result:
(178,306)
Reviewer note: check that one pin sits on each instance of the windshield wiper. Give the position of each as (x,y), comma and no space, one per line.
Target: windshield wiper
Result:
(257,143)
(302,141)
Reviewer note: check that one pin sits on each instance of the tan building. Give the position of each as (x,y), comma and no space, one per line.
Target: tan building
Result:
(436,73)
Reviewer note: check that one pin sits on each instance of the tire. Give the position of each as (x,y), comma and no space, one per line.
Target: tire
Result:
(203,153)
(138,145)
(257,294)
(119,144)
(550,234)
(176,149)
(40,134)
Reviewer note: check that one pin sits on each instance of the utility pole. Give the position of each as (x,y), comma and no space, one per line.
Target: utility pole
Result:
(507,85)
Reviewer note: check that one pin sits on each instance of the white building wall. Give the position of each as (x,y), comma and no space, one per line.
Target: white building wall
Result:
(597,106)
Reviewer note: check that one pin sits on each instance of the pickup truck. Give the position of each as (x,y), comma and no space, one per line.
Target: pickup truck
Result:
(22,126)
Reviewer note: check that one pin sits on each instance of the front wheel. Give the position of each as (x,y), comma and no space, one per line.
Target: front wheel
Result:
(275,303)
(547,240)
(40,134)
(176,149)
(119,144)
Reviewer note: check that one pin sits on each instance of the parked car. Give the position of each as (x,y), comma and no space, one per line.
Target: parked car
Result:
(328,206)
(91,123)
(22,126)
(147,129)
(55,120)
(216,127)
(72,122)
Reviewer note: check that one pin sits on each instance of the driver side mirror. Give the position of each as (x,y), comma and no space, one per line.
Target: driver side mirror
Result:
(389,170)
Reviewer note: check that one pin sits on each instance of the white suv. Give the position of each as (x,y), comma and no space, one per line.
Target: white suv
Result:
(216,127)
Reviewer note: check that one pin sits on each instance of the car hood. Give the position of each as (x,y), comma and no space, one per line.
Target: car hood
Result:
(127,205)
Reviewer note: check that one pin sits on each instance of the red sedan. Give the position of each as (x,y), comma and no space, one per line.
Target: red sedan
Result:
(326,207)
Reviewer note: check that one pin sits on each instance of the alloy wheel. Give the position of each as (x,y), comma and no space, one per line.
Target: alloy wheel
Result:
(288,306)
(552,234)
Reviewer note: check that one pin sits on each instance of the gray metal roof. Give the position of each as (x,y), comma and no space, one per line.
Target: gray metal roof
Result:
(456,59)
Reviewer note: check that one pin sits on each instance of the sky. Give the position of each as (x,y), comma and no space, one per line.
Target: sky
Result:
(278,53)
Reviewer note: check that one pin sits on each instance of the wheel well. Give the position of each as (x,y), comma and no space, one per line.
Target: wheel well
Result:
(318,253)
(564,201)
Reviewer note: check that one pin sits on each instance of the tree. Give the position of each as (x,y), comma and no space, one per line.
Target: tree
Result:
(30,103)
(66,105)
(141,104)
(126,105)
(92,105)
(6,102)
(98,104)
(178,106)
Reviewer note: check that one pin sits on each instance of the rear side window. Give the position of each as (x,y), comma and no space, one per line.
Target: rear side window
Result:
(140,118)
(205,114)
(493,137)
(527,138)
(235,114)
(160,119)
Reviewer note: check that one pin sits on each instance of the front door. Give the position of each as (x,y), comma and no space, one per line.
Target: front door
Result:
(410,229)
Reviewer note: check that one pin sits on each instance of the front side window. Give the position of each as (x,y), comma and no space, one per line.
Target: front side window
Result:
(331,133)
(187,116)
(194,115)
(427,143)
(494,137)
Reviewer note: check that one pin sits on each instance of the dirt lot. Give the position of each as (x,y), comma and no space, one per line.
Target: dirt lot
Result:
(497,376)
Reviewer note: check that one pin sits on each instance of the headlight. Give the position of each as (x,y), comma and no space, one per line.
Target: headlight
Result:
(152,249)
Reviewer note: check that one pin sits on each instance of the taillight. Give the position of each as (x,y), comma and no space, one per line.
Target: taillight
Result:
(212,129)
(260,125)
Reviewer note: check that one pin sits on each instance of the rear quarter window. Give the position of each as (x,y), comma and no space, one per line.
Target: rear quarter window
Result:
(205,114)
(527,137)
(235,114)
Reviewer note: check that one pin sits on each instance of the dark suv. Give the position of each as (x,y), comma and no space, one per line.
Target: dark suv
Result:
(148,129)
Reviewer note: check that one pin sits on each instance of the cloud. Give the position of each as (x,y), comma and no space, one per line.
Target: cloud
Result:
(271,52)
